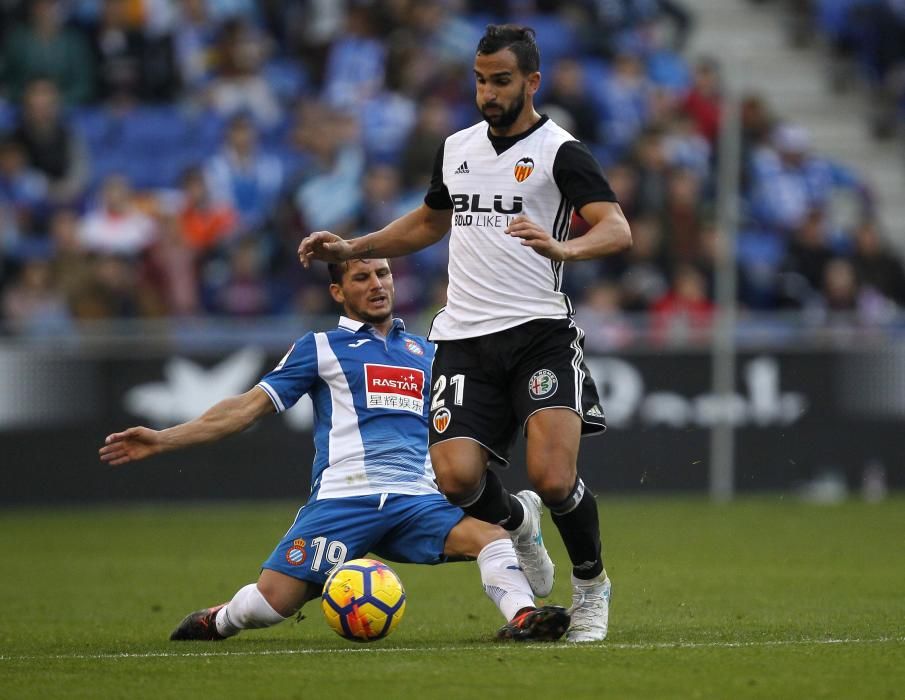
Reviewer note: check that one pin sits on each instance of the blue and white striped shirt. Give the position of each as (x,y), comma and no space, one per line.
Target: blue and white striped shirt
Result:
(370,397)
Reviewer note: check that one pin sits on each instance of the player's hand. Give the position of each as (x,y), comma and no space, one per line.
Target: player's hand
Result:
(323,245)
(535,237)
(130,446)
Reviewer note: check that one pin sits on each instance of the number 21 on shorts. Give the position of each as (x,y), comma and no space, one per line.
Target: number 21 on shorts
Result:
(456,382)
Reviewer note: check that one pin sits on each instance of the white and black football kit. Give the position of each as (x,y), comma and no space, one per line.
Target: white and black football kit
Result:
(506,343)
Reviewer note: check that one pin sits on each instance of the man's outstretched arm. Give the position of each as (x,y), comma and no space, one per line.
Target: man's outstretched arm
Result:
(229,416)
(418,229)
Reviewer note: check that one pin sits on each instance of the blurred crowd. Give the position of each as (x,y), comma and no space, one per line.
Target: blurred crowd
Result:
(866,41)
(163,158)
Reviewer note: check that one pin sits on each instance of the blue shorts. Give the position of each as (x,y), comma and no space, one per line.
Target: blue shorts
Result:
(326,533)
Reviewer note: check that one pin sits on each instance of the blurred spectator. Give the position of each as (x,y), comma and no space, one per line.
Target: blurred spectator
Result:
(329,194)
(386,121)
(651,163)
(204,223)
(356,63)
(296,151)
(244,291)
(171,269)
(807,256)
(620,22)
(72,268)
(702,102)
(682,216)
(881,49)
(643,279)
(381,192)
(877,267)
(118,290)
(757,124)
(51,145)
(845,304)
(840,285)
(194,45)
(225,10)
(624,180)
(115,226)
(133,63)
(118,51)
(45,48)
(601,316)
(450,40)
(23,190)
(33,303)
(625,98)
(686,149)
(430,48)
(425,53)
(433,125)
(243,176)
(567,91)
(308,30)
(685,313)
(238,85)
(789,181)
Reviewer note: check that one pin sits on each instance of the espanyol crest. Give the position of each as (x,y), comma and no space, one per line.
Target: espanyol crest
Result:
(296,555)
(542,384)
(413,347)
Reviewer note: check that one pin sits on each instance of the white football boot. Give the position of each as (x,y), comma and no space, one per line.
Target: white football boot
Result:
(529,546)
(590,609)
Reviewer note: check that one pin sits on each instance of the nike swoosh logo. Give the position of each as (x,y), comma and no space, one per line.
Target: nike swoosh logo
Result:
(359,343)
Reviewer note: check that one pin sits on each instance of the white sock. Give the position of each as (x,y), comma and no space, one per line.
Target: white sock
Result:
(247,610)
(504,581)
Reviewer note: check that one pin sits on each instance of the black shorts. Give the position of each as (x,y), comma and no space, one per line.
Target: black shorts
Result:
(484,388)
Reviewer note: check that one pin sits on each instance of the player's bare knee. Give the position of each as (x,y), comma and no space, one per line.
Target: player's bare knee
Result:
(458,488)
(553,486)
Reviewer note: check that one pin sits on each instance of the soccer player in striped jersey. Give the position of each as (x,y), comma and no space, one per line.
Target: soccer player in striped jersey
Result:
(509,356)
(372,486)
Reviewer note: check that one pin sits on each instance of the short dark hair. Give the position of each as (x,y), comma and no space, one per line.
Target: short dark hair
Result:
(337,270)
(518,39)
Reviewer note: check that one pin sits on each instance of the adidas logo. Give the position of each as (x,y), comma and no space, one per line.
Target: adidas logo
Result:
(462,169)
(594,411)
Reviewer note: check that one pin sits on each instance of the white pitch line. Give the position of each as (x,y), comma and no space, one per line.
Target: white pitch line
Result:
(639,646)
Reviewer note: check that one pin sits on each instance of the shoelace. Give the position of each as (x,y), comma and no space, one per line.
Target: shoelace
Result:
(529,549)
(583,611)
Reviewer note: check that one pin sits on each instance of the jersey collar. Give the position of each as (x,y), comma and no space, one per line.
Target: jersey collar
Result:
(349,324)
(504,143)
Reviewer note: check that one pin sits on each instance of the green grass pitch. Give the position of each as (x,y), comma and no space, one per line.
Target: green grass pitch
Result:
(764,598)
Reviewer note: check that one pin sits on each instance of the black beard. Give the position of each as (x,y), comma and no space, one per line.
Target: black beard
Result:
(507,117)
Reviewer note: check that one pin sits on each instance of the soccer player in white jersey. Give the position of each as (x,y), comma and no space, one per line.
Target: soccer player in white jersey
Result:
(508,354)
(373,487)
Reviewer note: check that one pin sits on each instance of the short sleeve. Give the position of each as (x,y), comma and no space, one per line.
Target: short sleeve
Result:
(437,196)
(579,176)
(293,376)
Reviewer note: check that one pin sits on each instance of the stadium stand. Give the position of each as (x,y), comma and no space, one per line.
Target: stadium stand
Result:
(278,120)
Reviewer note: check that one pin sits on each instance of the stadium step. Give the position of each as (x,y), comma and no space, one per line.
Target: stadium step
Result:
(752,44)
